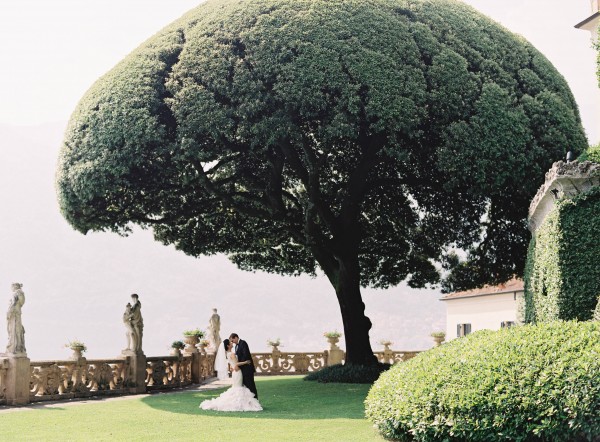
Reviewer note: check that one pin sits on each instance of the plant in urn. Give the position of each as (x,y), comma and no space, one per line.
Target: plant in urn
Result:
(192,338)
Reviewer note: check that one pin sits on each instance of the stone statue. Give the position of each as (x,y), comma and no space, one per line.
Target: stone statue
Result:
(129,328)
(14,324)
(134,323)
(214,328)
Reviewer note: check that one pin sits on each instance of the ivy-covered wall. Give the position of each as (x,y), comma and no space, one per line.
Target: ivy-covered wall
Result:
(562,274)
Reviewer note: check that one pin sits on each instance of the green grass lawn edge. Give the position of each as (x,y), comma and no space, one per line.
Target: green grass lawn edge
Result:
(294,410)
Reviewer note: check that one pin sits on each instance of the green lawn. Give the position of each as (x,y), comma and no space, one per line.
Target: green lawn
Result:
(294,410)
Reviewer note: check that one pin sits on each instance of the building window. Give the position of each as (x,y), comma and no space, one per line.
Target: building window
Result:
(506,324)
(462,330)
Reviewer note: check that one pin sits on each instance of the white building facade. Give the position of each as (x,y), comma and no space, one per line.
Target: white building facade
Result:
(490,307)
(593,21)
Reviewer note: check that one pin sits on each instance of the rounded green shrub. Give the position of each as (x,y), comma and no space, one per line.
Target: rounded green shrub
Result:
(348,373)
(532,383)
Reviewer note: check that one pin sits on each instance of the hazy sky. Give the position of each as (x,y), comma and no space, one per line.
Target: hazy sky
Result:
(52,51)
(77,286)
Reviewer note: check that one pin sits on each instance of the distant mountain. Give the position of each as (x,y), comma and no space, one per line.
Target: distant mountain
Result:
(76,286)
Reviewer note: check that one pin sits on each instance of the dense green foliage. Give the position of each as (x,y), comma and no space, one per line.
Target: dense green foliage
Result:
(365,137)
(348,373)
(562,277)
(254,128)
(294,411)
(592,153)
(531,383)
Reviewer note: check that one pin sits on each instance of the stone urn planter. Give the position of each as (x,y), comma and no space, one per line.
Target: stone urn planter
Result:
(333,342)
(176,348)
(202,345)
(77,352)
(387,355)
(191,339)
(335,355)
(386,346)
(190,343)
(274,344)
(438,338)
(78,349)
(333,338)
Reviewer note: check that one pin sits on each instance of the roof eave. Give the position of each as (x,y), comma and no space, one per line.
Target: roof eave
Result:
(587,20)
(483,294)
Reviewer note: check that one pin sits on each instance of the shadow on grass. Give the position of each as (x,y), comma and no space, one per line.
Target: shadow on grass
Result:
(280,397)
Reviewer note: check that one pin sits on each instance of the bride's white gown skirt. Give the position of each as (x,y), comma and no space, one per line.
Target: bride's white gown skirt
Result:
(237,398)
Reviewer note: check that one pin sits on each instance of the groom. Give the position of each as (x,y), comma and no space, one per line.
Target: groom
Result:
(244,362)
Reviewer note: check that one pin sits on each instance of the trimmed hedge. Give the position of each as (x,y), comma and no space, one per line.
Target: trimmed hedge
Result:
(562,275)
(531,383)
(348,374)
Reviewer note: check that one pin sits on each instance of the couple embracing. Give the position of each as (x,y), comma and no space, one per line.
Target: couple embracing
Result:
(242,395)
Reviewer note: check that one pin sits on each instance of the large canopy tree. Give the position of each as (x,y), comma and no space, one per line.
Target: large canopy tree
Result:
(366,138)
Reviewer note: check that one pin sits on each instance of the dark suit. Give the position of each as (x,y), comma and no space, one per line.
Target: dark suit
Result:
(243,354)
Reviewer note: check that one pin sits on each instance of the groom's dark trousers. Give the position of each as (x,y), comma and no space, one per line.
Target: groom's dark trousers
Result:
(243,354)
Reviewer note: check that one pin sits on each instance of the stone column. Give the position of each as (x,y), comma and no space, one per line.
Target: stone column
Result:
(335,357)
(197,358)
(17,380)
(137,370)
(335,354)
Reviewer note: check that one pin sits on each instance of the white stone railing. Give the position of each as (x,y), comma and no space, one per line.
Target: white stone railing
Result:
(3,373)
(57,380)
(166,372)
(278,362)
(127,374)
(206,366)
(393,357)
(281,363)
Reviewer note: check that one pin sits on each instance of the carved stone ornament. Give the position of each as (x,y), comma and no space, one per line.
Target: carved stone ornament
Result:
(563,180)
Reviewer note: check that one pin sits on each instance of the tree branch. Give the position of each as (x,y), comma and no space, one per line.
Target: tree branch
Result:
(227,198)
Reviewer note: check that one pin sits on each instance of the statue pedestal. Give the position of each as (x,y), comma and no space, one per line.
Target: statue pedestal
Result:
(197,359)
(137,370)
(17,379)
(335,356)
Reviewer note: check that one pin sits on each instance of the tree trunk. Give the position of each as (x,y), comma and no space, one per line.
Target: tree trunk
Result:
(346,281)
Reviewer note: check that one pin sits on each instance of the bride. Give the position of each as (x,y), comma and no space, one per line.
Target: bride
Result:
(238,397)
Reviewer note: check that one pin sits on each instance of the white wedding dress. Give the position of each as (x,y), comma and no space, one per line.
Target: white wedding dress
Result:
(237,398)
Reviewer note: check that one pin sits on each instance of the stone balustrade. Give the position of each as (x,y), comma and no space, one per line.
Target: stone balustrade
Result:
(279,363)
(393,357)
(3,373)
(81,377)
(167,372)
(57,380)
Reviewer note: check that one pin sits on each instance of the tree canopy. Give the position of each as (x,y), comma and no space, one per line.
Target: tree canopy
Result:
(363,136)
